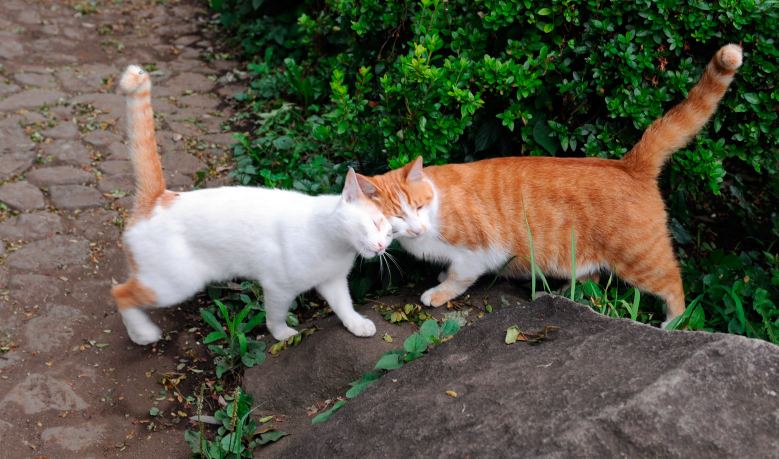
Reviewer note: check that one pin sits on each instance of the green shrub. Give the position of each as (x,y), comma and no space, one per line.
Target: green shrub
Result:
(373,84)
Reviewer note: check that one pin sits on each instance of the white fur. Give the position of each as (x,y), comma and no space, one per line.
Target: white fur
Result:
(287,241)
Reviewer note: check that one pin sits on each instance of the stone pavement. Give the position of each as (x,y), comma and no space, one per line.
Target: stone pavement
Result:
(71,382)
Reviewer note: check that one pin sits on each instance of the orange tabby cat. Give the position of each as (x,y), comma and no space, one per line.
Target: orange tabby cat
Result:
(471,217)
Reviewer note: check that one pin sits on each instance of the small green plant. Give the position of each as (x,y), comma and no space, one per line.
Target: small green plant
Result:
(236,436)
(240,349)
(430,333)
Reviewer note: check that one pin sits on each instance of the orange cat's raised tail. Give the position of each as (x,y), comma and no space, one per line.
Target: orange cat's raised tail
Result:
(672,132)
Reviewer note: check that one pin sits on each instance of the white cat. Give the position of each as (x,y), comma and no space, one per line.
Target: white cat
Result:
(176,243)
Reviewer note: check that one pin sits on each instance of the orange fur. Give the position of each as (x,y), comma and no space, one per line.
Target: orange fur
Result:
(149,180)
(613,206)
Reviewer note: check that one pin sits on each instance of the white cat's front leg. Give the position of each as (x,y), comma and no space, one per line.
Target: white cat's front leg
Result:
(139,327)
(336,293)
(276,309)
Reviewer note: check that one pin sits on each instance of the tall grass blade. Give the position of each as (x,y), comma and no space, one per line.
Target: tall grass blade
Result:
(573,262)
(501,271)
(532,256)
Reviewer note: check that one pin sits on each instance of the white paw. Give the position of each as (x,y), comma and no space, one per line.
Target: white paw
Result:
(284,334)
(144,334)
(426,297)
(664,324)
(140,329)
(361,327)
(442,276)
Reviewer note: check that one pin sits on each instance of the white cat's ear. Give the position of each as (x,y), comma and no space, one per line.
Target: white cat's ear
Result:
(415,174)
(352,190)
(367,187)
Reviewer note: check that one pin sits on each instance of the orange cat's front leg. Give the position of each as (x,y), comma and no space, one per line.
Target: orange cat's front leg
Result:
(451,287)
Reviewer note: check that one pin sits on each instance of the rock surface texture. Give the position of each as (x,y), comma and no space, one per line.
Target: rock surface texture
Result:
(597,387)
(71,382)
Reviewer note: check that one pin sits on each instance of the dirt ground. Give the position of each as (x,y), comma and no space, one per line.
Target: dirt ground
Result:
(72,384)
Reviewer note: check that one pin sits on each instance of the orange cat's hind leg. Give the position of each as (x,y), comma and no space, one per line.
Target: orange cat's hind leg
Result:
(658,273)
(130,297)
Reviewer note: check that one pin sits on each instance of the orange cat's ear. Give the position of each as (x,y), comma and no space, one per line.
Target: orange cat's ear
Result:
(415,173)
(368,188)
(352,191)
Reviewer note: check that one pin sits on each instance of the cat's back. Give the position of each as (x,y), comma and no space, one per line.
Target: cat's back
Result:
(234,200)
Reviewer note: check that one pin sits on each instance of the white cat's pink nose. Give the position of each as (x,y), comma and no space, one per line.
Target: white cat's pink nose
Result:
(382,246)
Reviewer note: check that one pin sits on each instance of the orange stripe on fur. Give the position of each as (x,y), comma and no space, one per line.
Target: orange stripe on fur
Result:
(133,294)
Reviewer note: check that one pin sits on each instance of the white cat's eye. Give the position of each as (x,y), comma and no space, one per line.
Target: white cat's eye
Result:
(378,227)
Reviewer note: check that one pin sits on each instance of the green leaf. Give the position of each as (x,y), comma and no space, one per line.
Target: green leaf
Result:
(415,343)
(449,328)
(211,320)
(681,235)
(268,437)
(512,334)
(283,143)
(322,417)
(354,391)
(542,134)
(487,134)
(232,443)
(256,320)
(544,12)
(213,336)
(752,98)
(242,343)
(389,362)
(429,328)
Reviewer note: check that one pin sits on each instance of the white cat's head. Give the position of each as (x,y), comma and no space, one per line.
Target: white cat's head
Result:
(367,228)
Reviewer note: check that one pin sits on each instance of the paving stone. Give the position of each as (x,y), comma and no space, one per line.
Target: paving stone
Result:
(34,118)
(31,99)
(63,130)
(15,163)
(36,79)
(67,153)
(119,150)
(186,128)
(51,329)
(75,438)
(162,107)
(42,392)
(165,141)
(28,17)
(220,139)
(230,91)
(31,227)
(198,100)
(9,46)
(101,138)
(183,163)
(13,138)
(110,103)
(178,182)
(122,182)
(6,89)
(186,40)
(191,81)
(115,167)
(21,196)
(186,114)
(29,289)
(49,254)
(74,81)
(69,197)
(97,225)
(59,175)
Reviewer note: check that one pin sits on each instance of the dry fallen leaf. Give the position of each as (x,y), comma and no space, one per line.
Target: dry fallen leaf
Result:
(452,393)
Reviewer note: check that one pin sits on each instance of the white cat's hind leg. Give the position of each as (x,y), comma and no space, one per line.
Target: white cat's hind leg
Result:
(336,293)
(129,297)
(139,327)
(276,309)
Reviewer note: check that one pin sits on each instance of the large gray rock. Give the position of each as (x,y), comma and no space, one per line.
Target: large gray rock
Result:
(59,175)
(30,99)
(21,196)
(598,387)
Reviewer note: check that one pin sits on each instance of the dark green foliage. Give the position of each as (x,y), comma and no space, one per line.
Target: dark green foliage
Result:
(372,84)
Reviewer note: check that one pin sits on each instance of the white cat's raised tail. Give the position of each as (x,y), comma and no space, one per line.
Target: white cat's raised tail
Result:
(176,243)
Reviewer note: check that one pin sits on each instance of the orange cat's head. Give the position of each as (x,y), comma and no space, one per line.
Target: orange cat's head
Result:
(405,197)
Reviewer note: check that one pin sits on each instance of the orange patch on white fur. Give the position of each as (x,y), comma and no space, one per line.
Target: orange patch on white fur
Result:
(133,294)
